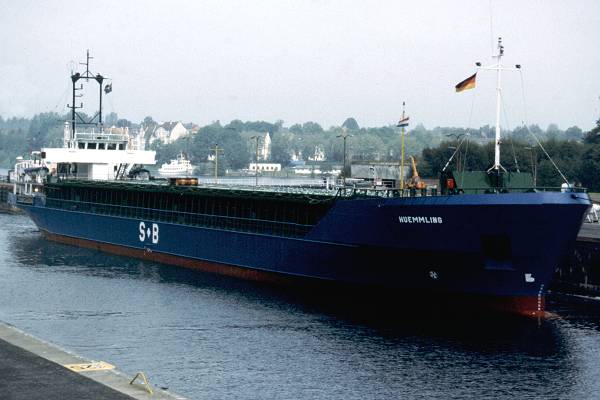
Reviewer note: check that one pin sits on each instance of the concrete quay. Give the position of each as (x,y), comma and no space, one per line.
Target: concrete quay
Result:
(32,369)
(581,273)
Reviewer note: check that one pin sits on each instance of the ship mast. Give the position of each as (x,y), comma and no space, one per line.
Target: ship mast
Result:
(76,118)
(498,68)
(497,164)
(403,123)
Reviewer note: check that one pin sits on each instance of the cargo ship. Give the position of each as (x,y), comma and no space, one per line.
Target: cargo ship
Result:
(496,240)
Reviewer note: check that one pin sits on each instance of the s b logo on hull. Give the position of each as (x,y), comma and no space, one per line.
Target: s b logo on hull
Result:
(150,232)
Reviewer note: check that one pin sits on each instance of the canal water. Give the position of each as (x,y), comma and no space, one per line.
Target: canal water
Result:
(205,336)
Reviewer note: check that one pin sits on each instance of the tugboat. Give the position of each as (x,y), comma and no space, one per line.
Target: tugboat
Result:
(496,246)
(180,166)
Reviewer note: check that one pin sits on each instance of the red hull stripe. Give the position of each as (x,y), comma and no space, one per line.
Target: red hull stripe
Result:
(530,306)
(221,269)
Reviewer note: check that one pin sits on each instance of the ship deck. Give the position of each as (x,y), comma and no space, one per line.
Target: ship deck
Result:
(313,192)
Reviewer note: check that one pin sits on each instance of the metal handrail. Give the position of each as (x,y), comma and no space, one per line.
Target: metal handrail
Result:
(433,191)
(101,136)
(185,218)
(340,192)
(492,190)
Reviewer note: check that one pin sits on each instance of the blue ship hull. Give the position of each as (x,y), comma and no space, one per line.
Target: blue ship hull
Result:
(504,247)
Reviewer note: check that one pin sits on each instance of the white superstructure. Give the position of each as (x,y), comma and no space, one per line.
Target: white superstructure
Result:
(96,154)
(89,150)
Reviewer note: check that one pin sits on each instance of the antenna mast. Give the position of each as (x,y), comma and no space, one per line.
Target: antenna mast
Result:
(77,118)
(403,123)
(497,165)
(498,68)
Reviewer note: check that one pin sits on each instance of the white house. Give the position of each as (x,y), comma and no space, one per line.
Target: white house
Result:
(136,138)
(264,149)
(263,153)
(169,132)
(319,154)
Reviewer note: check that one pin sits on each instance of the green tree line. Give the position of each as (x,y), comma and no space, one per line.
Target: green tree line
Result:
(578,158)
(576,153)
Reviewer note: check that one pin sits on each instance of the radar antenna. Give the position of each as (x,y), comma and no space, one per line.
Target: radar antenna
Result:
(76,117)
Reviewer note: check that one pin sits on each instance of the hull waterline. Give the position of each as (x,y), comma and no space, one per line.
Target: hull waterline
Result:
(453,267)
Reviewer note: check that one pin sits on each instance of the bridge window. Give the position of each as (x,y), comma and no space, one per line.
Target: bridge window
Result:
(112,146)
(100,146)
(91,145)
(121,146)
(81,145)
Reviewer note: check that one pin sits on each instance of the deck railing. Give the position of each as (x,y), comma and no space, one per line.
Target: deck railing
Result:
(277,228)
(433,191)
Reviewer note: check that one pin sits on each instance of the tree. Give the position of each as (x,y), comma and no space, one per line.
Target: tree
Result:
(123,123)
(593,136)
(590,165)
(296,129)
(574,133)
(350,124)
(236,125)
(44,129)
(311,127)
(367,147)
(547,175)
(280,148)
(111,119)
(553,132)
(521,133)
(235,150)
(148,121)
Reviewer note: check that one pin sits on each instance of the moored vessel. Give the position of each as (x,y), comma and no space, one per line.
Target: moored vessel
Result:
(179,166)
(497,244)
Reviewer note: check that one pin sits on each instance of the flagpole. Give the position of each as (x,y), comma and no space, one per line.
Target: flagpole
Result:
(469,83)
(402,123)
(402,159)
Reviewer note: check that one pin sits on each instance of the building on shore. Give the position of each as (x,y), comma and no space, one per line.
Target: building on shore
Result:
(264,167)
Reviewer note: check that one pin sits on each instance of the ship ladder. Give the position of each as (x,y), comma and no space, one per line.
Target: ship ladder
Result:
(121,171)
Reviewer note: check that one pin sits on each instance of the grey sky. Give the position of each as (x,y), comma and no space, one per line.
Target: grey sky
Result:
(321,61)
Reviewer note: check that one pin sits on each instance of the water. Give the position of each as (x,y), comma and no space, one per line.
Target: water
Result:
(213,337)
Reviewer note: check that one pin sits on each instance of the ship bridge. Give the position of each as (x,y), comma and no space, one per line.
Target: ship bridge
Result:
(97,154)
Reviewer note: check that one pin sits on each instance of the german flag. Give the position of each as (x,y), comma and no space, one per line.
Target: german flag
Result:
(403,122)
(467,84)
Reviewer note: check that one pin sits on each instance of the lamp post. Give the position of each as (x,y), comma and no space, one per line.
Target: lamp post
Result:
(257,138)
(344,136)
(217,149)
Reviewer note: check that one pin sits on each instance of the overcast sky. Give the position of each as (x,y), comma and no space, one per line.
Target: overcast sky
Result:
(299,61)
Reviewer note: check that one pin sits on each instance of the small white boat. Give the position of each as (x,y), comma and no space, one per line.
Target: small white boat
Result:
(179,166)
